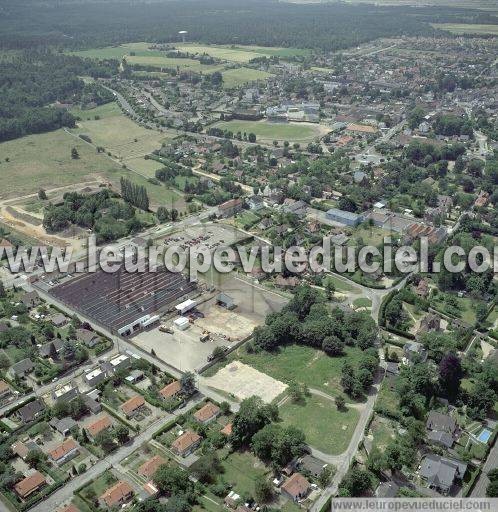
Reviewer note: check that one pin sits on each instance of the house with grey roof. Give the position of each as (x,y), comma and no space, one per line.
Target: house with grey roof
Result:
(441,473)
(21,368)
(415,351)
(31,299)
(29,412)
(87,337)
(64,425)
(344,217)
(442,429)
(51,349)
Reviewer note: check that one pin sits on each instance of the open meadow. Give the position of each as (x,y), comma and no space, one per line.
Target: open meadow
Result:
(266,131)
(240,76)
(467,28)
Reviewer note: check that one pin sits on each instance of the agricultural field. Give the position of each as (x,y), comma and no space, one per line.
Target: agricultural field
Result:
(44,161)
(240,53)
(326,428)
(485,5)
(267,132)
(467,28)
(240,76)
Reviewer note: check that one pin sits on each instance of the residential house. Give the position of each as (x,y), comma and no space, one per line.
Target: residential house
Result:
(22,449)
(442,429)
(232,499)
(66,451)
(93,406)
(255,203)
(186,444)
(441,473)
(207,413)
(230,208)
(117,495)
(65,393)
(64,425)
(430,323)
(59,320)
(31,299)
(21,368)
(87,337)
(29,485)
(51,349)
(422,289)
(148,468)
(312,465)
(387,490)
(119,362)
(227,430)
(171,390)
(415,351)
(296,487)
(133,406)
(5,389)
(95,377)
(98,426)
(29,412)
(69,508)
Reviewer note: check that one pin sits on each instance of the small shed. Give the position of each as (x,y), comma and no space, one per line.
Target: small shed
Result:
(225,301)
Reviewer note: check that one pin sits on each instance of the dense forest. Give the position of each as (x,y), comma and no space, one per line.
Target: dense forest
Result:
(270,23)
(33,80)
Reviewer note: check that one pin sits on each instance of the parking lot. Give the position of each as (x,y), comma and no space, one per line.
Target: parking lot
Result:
(185,351)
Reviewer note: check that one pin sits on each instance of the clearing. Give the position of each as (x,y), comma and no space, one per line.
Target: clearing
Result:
(326,428)
(467,28)
(243,381)
(240,76)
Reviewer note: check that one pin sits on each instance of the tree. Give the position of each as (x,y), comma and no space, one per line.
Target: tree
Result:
(328,284)
(450,374)
(252,416)
(340,402)
(333,346)
(492,489)
(356,482)
(263,489)
(252,137)
(207,468)
(122,434)
(326,475)
(105,441)
(3,293)
(187,382)
(35,457)
(295,391)
(163,214)
(171,480)
(74,154)
(42,195)
(4,360)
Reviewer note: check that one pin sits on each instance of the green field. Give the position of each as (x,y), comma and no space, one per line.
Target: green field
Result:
(268,132)
(139,53)
(103,111)
(240,53)
(44,161)
(326,428)
(467,28)
(121,136)
(241,76)
(241,471)
(302,364)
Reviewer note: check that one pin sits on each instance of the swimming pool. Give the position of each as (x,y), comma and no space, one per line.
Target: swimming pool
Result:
(484,436)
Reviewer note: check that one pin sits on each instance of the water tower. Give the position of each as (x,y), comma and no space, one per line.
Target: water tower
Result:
(183,33)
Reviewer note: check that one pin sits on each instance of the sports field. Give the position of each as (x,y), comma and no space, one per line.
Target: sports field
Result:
(240,53)
(467,28)
(326,428)
(266,131)
(44,161)
(241,76)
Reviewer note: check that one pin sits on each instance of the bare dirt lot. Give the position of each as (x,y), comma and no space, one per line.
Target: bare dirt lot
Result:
(244,381)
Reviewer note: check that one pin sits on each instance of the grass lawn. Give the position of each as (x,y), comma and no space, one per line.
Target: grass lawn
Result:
(241,471)
(146,167)
(99,485)
(267,131)
(246,219)
(240,76)
(44,161)
(369,235)
(239,53)
(343,285)
(326,428)
(383,433)
(139,53)
(121,136)
(362,302)
(303,364)
(387,399)
(467,28)
(103,111)
(207,503)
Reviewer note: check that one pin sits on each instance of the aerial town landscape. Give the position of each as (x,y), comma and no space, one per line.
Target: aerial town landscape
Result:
(249,126)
